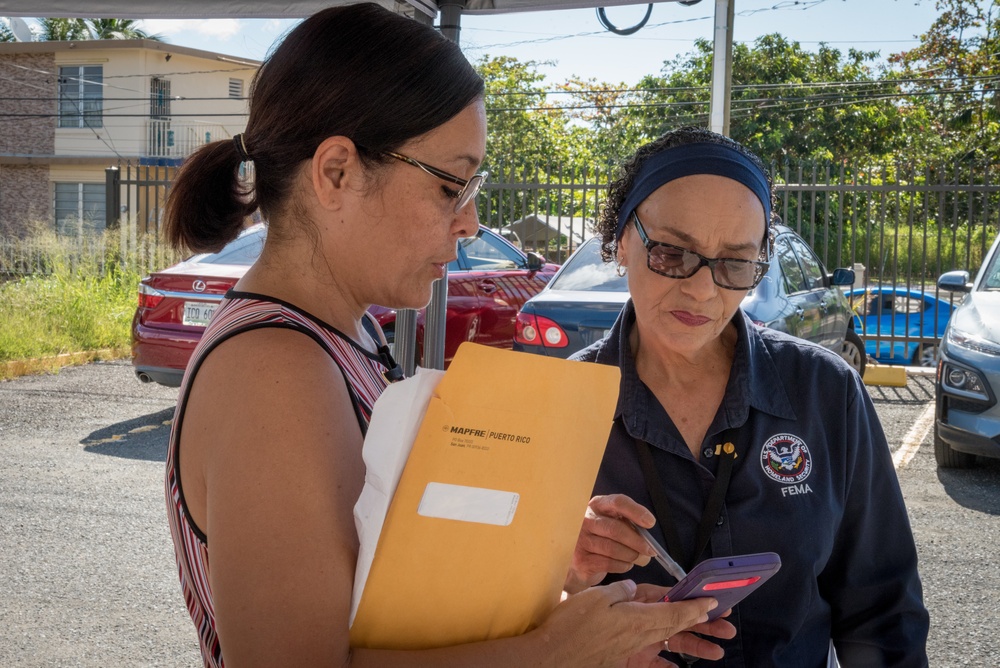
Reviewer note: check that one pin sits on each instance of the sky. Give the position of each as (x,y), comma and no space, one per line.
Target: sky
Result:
(572,43)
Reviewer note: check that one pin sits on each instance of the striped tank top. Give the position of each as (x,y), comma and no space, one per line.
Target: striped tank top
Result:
(240,312)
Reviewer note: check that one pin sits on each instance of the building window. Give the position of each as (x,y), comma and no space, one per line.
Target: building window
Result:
(236,88)
(159,98)
(81,96)
(79,208)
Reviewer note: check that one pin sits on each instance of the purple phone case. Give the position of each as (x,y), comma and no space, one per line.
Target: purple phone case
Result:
(726,579)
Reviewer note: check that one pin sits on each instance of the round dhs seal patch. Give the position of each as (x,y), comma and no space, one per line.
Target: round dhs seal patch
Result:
(786,458)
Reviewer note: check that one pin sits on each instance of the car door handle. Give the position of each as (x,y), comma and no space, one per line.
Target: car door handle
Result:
(488,287)
(799,312)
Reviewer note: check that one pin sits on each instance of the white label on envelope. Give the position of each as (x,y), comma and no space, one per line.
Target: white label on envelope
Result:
(468,504)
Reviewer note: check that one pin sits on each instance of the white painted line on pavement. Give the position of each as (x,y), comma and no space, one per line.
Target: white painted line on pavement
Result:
(913,438)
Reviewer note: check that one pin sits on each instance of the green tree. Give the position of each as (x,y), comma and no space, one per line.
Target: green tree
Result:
(521,122)
(608,113)
(787,102)
(530,139)
(5,34)
(118,29)
(954,74)
(62,30)
(56,30)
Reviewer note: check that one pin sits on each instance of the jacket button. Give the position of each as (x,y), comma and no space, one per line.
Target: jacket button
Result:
(708,452)
(719,522)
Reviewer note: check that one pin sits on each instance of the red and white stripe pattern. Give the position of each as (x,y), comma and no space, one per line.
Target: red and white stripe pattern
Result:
(364,373)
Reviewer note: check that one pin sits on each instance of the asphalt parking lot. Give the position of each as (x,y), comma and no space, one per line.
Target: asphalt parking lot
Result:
(86,568)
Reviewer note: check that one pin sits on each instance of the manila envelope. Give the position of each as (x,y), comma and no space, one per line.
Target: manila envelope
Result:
(482,525)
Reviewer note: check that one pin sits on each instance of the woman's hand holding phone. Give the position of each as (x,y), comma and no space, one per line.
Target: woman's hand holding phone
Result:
(686,642)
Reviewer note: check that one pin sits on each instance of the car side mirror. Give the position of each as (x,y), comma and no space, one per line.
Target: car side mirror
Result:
(955,281)
(535,261)
(842,277)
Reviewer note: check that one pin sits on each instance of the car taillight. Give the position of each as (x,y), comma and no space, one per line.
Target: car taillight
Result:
(532,330)
(148,297)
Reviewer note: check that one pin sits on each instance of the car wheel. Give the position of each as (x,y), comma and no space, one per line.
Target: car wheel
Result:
(949,458)
(925,355)
(853,350)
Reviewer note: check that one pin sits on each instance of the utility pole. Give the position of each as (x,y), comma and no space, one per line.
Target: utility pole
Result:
(722,67)
(436,319)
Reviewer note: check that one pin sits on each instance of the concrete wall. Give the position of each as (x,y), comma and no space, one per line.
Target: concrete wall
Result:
(126,123)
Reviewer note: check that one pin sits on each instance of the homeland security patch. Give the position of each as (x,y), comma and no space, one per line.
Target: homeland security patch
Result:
(786,458)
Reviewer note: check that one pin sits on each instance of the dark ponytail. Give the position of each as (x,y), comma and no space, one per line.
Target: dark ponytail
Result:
(358,71)
(208,204)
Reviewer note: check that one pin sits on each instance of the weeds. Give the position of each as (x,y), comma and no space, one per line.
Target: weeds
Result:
(80,297)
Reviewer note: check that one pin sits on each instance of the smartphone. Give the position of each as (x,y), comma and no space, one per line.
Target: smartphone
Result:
(726,579)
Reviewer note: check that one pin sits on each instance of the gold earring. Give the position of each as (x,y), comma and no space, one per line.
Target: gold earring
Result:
(620,270)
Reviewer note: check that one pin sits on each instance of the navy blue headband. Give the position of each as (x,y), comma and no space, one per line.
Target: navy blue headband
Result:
(688,160)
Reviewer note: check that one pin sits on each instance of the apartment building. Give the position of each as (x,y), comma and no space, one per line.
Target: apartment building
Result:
(71,110)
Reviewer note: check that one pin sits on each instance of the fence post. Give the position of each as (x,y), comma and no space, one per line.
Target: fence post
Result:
(112,197)
(860,280)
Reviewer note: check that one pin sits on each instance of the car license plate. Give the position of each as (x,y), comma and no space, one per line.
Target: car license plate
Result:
(197,314)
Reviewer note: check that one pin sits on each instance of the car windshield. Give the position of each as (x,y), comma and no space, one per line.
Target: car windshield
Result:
(585,271)
(242,251)
(991,279)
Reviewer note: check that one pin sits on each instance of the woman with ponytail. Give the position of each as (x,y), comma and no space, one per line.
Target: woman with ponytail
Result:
(366,130)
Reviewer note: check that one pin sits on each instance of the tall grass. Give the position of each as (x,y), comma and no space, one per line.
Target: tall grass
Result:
(81,297)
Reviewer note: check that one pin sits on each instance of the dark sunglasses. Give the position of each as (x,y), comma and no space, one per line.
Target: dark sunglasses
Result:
(469,188)
(676,262)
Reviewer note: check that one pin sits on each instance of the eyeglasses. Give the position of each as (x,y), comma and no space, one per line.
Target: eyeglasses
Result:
(676,262)
(469,188)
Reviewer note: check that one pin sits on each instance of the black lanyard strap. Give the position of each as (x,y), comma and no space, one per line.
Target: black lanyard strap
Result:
(661,505)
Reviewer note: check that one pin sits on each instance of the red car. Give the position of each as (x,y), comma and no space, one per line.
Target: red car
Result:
(487,285)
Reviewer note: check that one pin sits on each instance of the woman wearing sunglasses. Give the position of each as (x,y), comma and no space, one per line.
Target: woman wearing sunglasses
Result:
(734,439)
(366,130)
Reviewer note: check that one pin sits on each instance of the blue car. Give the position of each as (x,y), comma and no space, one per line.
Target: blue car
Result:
(901,325)
(797,296)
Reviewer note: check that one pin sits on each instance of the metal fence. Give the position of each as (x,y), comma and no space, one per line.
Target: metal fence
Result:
(902,226)
(906,225)
(899,225)
(896,225)
(46,253)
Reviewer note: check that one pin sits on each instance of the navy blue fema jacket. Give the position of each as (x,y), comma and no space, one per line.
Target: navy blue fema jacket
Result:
(834,512)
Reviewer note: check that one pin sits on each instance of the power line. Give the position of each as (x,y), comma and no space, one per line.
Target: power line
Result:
(556,38)
(798,5)
(859,97)
(588,91)
(756,103)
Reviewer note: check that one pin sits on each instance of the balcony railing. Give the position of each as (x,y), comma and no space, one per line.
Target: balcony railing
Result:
(170,139)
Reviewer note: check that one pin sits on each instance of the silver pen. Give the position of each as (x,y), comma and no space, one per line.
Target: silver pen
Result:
(661,556)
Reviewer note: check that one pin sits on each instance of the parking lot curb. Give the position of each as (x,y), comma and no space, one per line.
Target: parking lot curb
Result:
(880,374)
(894,376)
(52,364)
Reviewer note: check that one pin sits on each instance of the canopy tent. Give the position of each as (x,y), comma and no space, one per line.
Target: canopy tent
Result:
(449,12)
(186,9)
